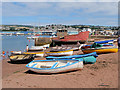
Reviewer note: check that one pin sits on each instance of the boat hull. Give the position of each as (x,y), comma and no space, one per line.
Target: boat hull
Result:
(76,66)
(100,51)
(60,53)
(38,54)
(21,59)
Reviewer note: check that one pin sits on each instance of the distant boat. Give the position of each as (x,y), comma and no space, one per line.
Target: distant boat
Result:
(21,57)
(16,52)
(32,37)
(99,48)
(56,66)
(60,53)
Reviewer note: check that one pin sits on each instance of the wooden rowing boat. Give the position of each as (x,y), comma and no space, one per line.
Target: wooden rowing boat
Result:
(55,66)
(35,48)
(21,57)
(60,53)
(38,48)
(73,56)
(87,58)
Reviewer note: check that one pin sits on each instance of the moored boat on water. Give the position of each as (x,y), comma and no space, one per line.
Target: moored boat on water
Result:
(55,66)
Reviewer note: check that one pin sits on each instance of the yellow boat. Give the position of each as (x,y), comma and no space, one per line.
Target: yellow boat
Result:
(101,50)
(41,54)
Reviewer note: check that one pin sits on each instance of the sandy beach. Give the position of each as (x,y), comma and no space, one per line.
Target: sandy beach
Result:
(102,74)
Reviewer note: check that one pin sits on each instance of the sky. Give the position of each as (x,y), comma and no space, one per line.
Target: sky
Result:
(68,13)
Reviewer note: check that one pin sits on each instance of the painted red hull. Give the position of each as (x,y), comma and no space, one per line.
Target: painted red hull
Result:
(82,36)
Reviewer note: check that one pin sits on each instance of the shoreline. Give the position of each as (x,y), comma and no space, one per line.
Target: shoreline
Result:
(102,74)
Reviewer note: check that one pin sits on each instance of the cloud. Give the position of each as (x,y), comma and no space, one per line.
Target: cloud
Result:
(60,0)
(34,8)
(62,12)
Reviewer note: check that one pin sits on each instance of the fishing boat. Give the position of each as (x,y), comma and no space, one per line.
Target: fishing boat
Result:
(37,54)
(70,39)
(55,66)
(87,58)
(99,48)
(60,53)
(21,57)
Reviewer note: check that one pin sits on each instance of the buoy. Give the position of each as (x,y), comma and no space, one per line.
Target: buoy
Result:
(3,52)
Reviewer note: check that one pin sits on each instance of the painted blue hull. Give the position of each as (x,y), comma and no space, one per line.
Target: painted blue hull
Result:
(102,44)
(106,41)
(55,66)
(73,56)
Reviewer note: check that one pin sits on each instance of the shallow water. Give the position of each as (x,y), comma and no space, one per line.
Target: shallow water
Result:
(15,43)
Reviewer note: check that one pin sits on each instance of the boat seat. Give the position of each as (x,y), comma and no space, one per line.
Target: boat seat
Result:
(61,64)
(45,65)
(31,64)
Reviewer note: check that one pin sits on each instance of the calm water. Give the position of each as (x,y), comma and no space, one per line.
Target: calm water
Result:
(16,43)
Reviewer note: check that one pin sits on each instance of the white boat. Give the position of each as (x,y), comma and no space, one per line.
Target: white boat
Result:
(46,45)
(60,53)
(32,37)
(36,48)
(39,48)
(16,52)
(55,66)
(38,54)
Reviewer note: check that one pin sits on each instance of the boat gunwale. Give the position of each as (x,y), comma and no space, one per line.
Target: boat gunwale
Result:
(55,67)
(73,56)
(61,51)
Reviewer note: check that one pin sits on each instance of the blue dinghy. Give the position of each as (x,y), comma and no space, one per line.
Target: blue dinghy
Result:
(73,56)
(55,66)
(106,41)
(87,58)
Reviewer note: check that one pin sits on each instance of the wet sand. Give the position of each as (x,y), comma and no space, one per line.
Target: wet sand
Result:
(102,74)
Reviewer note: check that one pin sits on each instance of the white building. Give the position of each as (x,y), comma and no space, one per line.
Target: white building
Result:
(87,29)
